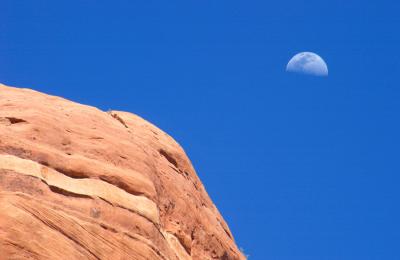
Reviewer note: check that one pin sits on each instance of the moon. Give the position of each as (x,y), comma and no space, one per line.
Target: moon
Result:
(307,63)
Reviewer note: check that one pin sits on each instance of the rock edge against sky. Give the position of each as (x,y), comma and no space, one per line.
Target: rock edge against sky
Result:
(80,183)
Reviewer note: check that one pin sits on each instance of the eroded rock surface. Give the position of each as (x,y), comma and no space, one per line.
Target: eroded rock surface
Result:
(80,183)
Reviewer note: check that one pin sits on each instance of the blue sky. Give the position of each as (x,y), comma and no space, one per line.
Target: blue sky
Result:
(300,167)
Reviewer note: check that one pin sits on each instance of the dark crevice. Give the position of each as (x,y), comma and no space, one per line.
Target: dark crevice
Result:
(169,157)
(108,228)
(70,173)
(118,118)
(187,248)
(224,228)
(116,181)
(96,138)
(174,168)
(14,120)
(67,193)
(130,210)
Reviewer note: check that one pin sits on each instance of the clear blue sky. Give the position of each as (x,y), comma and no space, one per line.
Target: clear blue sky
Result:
(300,167)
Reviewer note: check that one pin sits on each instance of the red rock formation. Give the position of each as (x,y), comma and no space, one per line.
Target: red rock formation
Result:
(80,183)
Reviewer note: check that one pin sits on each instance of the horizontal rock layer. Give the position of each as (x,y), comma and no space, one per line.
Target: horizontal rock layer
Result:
(80,183)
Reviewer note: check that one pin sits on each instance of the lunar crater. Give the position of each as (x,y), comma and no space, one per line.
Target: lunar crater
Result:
(307,63)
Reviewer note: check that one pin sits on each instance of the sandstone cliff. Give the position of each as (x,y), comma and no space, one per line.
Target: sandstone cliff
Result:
(80,183)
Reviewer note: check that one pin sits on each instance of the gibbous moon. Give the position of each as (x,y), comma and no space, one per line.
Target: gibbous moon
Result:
(308,63)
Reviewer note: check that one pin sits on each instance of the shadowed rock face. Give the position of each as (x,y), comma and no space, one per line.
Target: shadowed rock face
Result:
(79,183)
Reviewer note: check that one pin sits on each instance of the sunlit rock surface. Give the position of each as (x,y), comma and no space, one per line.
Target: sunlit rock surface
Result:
(80,183)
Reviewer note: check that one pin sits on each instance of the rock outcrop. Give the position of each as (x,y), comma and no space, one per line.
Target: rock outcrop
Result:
(80,183)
